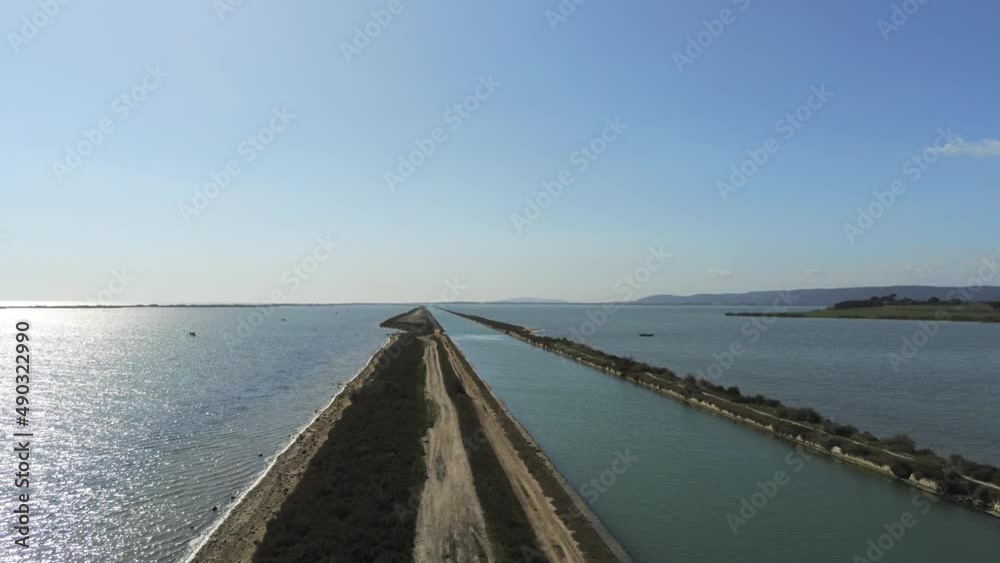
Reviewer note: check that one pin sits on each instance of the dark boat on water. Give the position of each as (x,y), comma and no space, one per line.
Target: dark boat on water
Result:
(646,334)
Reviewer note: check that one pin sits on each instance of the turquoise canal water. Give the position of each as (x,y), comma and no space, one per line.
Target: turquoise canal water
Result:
(681,498)
(943,395)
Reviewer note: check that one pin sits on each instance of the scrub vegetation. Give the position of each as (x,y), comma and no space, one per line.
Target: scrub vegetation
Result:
(371,462)
(417,321)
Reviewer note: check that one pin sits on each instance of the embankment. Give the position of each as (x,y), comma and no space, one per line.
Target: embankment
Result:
(511,467)
(418,321)
(409,464)
(332,492)
(971,484)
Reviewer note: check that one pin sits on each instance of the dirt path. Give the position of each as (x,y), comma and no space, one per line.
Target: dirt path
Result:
(235,540)
(554,538)
(450,523)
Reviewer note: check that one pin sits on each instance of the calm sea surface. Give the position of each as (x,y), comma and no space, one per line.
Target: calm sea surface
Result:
(946,396)
(141,429)
(682,496)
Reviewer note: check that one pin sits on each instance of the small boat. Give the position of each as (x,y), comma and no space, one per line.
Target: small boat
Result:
(192,334)
(282,319)
(646,334)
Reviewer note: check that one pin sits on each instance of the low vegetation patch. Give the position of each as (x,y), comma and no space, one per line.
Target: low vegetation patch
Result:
(889,307)
(417,321)
(372,461)
(892,301)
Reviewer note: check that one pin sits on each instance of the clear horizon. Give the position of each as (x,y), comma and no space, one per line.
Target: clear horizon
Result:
(13,304)
(391,151)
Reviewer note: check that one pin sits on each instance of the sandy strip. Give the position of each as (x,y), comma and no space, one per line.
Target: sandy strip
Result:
(235,538)
(554,538)
(582,508)
(450,522)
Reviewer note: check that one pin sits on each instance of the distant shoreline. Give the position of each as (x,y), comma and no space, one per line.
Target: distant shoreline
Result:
(196,306)
(803,297)
(405,304)
(410,304)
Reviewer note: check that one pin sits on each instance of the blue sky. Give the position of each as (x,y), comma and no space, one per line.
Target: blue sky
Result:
(221,79)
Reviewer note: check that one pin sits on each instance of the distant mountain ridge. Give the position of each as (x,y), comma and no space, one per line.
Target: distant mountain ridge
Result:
(822,297)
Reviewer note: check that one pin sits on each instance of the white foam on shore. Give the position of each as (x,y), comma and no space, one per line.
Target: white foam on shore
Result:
(201,540)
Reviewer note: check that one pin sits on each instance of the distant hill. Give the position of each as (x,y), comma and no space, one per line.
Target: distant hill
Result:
(819,297)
